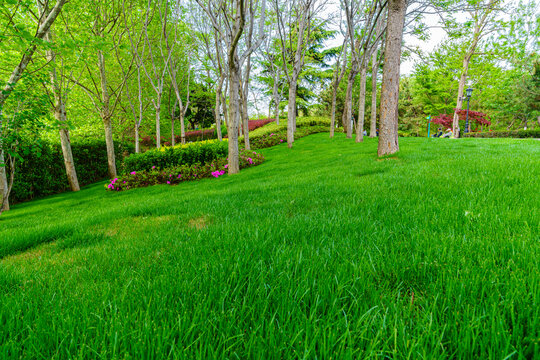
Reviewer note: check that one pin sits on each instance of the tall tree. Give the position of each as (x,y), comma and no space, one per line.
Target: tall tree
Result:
(59,104)
(302,11)
(388,133)
(483,14)
(229,21)
(42,30)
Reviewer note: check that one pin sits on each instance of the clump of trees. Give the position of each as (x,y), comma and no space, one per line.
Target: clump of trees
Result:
(131,69)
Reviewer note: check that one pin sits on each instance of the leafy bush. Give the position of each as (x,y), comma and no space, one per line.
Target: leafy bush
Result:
(176,174)
(255,124)
(198,152)
(43,173)
(532,133)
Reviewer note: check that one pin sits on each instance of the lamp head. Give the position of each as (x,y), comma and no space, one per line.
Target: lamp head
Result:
(469,92)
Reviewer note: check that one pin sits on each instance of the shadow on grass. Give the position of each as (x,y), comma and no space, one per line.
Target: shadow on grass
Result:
(368,172)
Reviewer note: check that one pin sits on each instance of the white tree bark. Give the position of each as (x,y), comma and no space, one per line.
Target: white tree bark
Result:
(361,104)
(374,70)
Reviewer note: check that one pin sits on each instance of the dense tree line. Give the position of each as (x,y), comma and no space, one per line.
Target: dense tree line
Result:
(128,69)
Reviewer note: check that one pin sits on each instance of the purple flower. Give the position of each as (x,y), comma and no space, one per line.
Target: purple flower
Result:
(124,182)
(153,167)
(226,166)
(168,182)
(133,172)
(179,176)
(250,161)
(281,140)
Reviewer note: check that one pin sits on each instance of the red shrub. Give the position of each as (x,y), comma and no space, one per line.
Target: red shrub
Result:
(444,120)
(255,124)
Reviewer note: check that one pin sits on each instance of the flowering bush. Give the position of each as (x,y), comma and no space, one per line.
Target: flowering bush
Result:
(176,174)
(199,152)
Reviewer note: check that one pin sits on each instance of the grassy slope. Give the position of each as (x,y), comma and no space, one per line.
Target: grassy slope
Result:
(321,250)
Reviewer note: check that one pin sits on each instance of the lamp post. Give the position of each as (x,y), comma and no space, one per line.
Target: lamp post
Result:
(469,94)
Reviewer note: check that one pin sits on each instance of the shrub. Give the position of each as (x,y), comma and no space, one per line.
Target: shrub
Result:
(532,133)
(255,124)
(198,152)
(176,174)
(41,174)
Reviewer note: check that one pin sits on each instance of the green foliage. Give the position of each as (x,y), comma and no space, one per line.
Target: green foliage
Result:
(202,152)
(41,171)
(433,254)
(178,174)
(531,133)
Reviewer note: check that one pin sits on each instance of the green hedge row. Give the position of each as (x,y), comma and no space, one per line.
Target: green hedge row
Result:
(45,174)
(198,152)
(533,133)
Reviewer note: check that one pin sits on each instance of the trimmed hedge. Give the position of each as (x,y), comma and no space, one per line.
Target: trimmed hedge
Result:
(45,174)
(198,152)
(178,174)
(521,134)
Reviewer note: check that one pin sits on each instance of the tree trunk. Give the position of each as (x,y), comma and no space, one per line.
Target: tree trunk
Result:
(347,112)
(459,102)
(172,131)
(291,112)
(4,199)
(137,141)
(234,120)
(60,116)
(275,93)
(217,113)
(158,122)
(244,97)
(333,114)
(106,116)
(388,134)
(361,104)
(224,110)
(374,70)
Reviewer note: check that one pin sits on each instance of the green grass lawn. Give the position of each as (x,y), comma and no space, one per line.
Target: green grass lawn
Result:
(323,251)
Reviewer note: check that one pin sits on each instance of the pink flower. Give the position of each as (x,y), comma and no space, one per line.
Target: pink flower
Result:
(133,172)
(153,167)
(226,166)
(168,182)
(179,176)
(250,161)
(124,182)
(281,140)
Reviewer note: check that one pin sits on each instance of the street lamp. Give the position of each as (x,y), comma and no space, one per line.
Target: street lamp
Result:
(469,94)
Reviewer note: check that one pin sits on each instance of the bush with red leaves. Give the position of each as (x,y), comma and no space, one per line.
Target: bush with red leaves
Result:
(444,120)
(255,124)
(474,117)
